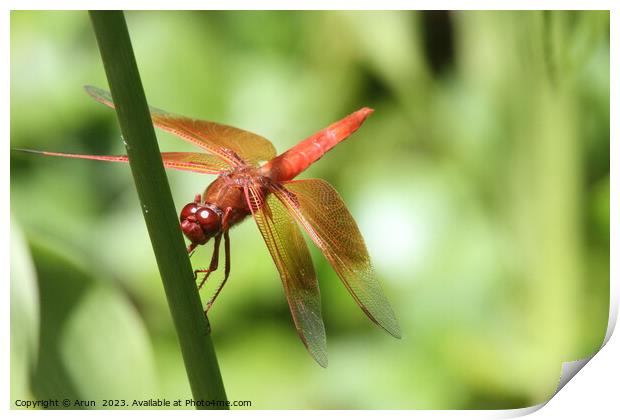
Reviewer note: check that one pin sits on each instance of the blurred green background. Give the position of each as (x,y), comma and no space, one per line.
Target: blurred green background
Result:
(481,185)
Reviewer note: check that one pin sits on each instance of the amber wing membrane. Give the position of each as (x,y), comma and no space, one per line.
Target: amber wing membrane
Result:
(194,162)
(317,206)
(226,142)
(292,258)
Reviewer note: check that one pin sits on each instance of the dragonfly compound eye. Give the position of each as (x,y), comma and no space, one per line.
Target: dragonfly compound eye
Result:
(188,210)
(190,226)
(208,219)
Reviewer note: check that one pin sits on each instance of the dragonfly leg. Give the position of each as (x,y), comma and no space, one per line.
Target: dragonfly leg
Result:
(191,248)
(226,258)
(226,255)
(214,262)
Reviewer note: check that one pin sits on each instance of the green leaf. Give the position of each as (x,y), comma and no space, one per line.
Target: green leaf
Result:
(105,348)
(93,344)
(24,316)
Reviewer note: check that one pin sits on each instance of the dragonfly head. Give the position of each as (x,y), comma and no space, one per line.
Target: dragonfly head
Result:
(200,222)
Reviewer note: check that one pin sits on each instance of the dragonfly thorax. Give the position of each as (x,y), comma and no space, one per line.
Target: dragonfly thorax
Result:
(200,222)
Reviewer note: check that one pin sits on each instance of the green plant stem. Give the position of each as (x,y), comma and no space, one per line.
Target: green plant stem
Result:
(157,206)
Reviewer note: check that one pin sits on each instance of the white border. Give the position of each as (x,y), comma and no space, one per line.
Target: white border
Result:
(314,5)
(593,393)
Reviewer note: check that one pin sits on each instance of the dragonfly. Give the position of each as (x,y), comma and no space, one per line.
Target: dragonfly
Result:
(252,181)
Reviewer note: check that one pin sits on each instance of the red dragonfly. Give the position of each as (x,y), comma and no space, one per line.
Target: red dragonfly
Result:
(279,205)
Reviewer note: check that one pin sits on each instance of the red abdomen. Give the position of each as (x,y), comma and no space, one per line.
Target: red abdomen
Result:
(298,158)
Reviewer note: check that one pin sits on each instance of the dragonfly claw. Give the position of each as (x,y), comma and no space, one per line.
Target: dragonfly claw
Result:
(209,305)
(200,270)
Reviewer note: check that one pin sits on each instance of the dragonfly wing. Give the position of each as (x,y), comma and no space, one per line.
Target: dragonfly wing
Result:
(227,142)
(193,162)
(317,206)
(292,258)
